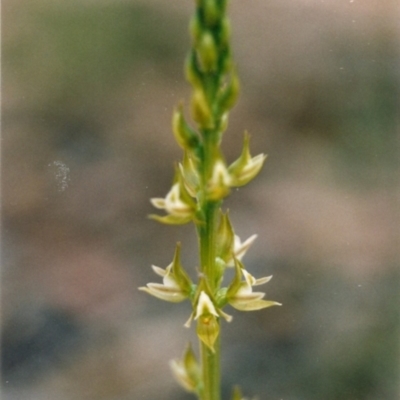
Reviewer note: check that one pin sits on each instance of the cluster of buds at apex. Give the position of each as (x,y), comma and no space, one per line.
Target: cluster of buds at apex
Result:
(177,203)
(246,167)
(240,293)
(187,371)
(176,285)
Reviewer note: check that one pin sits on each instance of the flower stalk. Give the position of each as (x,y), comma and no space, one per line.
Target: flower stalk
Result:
(202,180)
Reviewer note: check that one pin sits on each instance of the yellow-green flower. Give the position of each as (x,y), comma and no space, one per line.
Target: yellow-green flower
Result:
(240,293)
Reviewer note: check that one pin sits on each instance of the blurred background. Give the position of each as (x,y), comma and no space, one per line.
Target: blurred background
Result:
(88,92)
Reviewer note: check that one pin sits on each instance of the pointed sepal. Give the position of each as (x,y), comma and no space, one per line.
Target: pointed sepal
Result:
(225,238)
(180,275)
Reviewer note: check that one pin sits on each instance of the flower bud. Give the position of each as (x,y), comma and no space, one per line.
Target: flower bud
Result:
(229,94)
(207,51)
(225,238)
(189,174)
(201,110)
(211,12)
(192,70)
(225,32)
(223,123)
(184,134)
(195,28)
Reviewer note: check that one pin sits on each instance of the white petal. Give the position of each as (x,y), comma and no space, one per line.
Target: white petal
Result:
(205,306)
(253,305)
(240,249)
(164,293)
(159,271)
(189,321)
(228,318)
(249,278)
(158,202)
(261,281)
(170,282)
(243,297)
(181,375)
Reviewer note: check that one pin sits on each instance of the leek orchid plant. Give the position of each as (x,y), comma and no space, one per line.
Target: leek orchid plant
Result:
(202,181)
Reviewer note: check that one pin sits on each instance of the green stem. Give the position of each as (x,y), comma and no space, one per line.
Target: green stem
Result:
(211,372)
(207,228)
(207,236)
(210,360)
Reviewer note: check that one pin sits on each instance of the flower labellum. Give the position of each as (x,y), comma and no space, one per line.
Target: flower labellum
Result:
(207,321)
